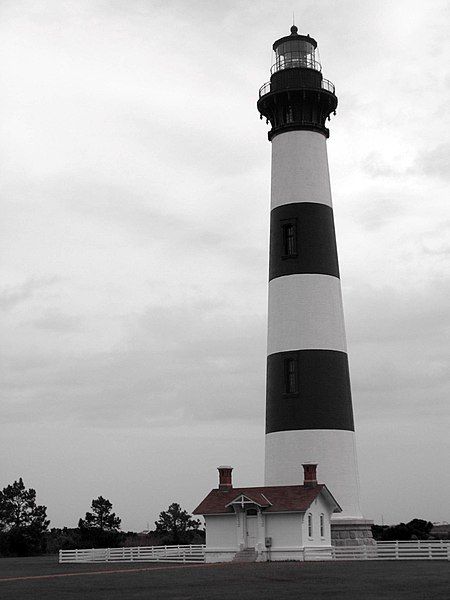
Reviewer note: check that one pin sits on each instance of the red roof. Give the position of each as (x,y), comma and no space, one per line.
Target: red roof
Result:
(277,498)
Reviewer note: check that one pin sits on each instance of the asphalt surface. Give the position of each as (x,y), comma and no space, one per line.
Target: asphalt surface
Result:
(42,578)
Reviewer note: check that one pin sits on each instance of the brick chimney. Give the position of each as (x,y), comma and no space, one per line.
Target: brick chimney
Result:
(310,475)
(225,483)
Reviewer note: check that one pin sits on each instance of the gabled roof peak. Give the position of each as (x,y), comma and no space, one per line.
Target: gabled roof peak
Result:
(250,498)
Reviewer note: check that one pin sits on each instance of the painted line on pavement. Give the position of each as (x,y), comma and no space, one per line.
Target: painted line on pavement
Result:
(109,572)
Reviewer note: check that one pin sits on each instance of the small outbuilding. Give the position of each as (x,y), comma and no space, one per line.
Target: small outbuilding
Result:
(267,523)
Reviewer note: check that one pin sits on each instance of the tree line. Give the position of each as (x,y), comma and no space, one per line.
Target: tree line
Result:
(417,529)
(24,526)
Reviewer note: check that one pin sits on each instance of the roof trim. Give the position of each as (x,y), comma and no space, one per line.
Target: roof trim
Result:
(265,498)
(242,502)
(288,512)
(331,499)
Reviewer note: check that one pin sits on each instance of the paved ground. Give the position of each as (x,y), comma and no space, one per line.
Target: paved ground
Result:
(42,578)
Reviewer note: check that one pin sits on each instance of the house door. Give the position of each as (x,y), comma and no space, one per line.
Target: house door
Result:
(251,523)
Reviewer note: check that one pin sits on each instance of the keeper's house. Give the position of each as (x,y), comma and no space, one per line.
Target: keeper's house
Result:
(267,523)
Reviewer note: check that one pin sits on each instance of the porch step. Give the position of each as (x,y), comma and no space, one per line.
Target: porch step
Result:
(246,555)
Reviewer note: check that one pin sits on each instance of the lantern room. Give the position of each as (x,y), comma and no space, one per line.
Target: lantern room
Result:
(295,51)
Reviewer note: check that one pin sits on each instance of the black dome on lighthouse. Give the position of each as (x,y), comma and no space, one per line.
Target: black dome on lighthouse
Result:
(295,36)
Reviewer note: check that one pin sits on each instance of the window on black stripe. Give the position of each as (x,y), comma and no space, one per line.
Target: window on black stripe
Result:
(290,376)
(289,238)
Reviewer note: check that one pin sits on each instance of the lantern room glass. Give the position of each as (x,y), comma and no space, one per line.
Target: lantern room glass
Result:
(294,54)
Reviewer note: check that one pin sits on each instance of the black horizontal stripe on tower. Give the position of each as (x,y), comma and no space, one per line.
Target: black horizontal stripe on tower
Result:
(321,396)
(315,244)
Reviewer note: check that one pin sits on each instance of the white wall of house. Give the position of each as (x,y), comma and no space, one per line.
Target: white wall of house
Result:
(221,537)
(285,529)
(317,509)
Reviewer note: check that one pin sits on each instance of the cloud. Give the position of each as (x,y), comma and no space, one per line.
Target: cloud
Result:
(14,296)
(178,364)
(407,313)
(435,162)
(379,210)
(53,320)
(398,349)
(375,165)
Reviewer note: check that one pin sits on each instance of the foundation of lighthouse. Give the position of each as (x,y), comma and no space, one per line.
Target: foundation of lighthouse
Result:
(352,532)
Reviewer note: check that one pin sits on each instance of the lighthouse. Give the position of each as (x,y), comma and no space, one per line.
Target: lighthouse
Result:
(309,414)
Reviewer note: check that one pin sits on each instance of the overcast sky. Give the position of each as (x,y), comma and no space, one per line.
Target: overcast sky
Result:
(135,190)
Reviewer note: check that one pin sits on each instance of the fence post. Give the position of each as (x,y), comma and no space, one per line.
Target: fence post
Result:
(396,549)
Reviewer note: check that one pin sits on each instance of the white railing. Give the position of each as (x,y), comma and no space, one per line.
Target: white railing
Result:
(176,554)
(325,85)
(401,550)
(397,550)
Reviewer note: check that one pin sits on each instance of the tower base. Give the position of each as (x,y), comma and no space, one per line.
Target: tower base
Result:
(352,532)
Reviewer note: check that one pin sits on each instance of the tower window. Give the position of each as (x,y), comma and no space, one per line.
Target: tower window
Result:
(290,376)
(289,115)
(310,525)
(289,238)
(322,526)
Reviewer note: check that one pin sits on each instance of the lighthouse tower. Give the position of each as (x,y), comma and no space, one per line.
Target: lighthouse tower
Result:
(309,415)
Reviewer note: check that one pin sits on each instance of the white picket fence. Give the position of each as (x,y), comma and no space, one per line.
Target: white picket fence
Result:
(401,550)
(176,554)
(396,550)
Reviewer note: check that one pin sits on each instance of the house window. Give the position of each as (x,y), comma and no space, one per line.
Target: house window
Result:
(252,512)
(322,526)
(289,238)
(310,525)
(290,376)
